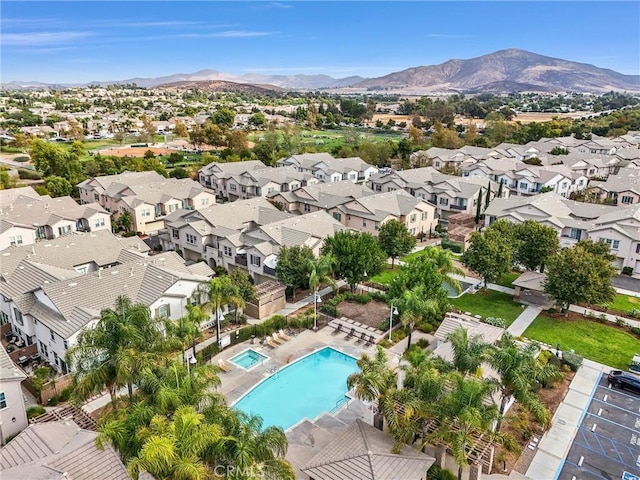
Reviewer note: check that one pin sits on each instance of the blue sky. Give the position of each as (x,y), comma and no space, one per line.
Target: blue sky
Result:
(82,41)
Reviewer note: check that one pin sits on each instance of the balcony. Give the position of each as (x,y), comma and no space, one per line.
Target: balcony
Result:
(241,260)
(458,207)
(269,271)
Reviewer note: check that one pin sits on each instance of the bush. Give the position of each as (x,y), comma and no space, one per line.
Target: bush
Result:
(627,271)
(438,473)
(398,335)
(24,158)
(544,356)
(422,343)
(453,246)
(572,360)
(384,326)
(621,322)
(496,322)
(65,395)
(29,175)
(635,313)
(426,327)
(53,401)
(635,331)
(35,411)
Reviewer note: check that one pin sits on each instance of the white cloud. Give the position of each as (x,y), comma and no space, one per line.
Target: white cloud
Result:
(449,35)
(226,34)
(41,38)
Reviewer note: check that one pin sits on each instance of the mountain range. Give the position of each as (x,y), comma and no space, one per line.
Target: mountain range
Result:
(502,71)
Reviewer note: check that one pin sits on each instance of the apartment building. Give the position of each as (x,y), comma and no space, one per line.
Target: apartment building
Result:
(621,189)
(318,197)
(329,169)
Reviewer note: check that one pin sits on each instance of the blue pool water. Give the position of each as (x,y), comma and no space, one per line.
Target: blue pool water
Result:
(306,388)
(248,359)
(452,292)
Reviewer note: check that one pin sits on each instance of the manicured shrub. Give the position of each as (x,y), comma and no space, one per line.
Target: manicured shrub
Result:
(496,322)
(29,175)
(635,330)
(627,271)
(35,411)
(572,359)
(422,343)
(438,473)
(453,246)
(621,322)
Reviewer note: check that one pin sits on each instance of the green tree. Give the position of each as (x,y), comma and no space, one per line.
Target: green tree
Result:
(187,328)
(224,117)
(468,353)
(148,130)
(581,274)
(413,306)
(58,186)
(354,253)
(489,254)
(220,291)
(246,289)
(536,244)
(520,375)
(180,129)
(258,119)
(479,206)
(52,159)
(395,240)
(125,220)
(292,268)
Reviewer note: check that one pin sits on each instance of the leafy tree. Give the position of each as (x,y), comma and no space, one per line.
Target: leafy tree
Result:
(490,255)
(245,286)
(58,186)
(479,206)
(220,291)
(180,129)
(125,220)
(293,264)
(75,129)
(395,240)
(581,274)
(148,129)
(559,151)
(321,271)
(258,119)
(355,253)
(413,306)
(52,159)
(536,244)
(237,140)
(224,117)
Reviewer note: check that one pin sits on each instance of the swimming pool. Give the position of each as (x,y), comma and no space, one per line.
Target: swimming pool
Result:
(452,292)
(314,384)
(248,359)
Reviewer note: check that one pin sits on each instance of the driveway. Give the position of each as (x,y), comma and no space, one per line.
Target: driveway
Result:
(627,283)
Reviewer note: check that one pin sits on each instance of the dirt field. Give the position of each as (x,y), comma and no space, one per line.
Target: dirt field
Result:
(371,314)
(136,151)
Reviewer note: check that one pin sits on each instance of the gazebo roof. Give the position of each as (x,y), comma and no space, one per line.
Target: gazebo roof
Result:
(531,281)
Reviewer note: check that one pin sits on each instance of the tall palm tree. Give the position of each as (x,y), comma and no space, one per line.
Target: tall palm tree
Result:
(114,352)
(187,328)
(413,306)
(519,374)
(374,380)
(320,271)
(462,415)
(402,411)
(445,265)
(174,448)
(220,291)
(250,450)
(468,353)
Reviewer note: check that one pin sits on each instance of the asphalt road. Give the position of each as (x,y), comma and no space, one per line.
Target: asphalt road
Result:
(608,439)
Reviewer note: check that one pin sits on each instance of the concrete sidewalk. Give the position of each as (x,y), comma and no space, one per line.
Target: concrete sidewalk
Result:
(556,442)
(608,316)
(523,321)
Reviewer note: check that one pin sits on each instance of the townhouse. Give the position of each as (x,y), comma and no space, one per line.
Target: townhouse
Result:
(449,194)
(367,214)
(50,305)
(26,217)
(147,196)
(575,221)
(13,416)
(216,174)
(621,189)
(329,169)
(317,197)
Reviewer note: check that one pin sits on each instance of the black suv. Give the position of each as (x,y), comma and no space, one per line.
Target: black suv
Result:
(628,381)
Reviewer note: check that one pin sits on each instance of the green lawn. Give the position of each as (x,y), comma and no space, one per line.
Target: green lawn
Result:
(385,277)
(595,341)
(507,279)
(490,304)
(625,303)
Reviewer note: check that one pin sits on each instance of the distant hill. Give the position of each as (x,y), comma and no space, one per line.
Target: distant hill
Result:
(507,70)
(222,86)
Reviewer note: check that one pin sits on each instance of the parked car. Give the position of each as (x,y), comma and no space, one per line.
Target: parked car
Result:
(627,381)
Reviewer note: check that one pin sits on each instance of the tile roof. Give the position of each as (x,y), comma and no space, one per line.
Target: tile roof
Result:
(59,450)
(362,452)
(9,371)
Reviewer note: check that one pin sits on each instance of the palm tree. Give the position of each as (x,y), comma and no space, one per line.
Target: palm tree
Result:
(413,307)
(401,409)
(374,380)
(187,329)
(250,450)
(174,448)
(468,353)
(462,415)
(113,353)
(519,373)
(220,291)
(320,271)
(445,265)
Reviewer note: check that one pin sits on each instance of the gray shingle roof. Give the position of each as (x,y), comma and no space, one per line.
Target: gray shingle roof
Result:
(59,450)
(9,371)
(363,453)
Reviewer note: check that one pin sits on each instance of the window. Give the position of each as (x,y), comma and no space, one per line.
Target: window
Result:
(172,208)
(43,349)
(145,212)
(233,187)
(52,335)
(66,344)
(337,216)
(17,240)
(638,248)
(64,229)
(55,358)
(412,218)
(364,222)
(524,185)
(163,311)
(376,225)
(18,316)
(227,251)
(307,207)
(175,233)
(99,222)
(564,185)
(3,401)
(4,318)
(575,234)
(255,260)
(627,200)
(444,201)
(293,186)
(205,202)
(191,239)
(378,188)
(270,190)
(96,197)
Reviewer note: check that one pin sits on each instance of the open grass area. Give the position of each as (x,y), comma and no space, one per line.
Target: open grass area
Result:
(507,279)
(489,304)
(625,303)
(599,342)
(385,277)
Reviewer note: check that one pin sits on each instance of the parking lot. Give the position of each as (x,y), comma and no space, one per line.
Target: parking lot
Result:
(607,443)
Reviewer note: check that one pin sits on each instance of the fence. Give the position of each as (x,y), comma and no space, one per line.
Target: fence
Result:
(55,387)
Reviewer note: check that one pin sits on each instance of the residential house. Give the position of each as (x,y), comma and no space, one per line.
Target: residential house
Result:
(60,450)
(620,229)
(621,189)
(26,218)
(330,169)
(147,196)
(216,174)
(197,233)
(368,214)
(13,415)
(49,303)
(263,182)
(320,196)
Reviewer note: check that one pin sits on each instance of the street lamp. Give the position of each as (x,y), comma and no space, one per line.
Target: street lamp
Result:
(316,299)
(192,362)
(219,318)
(394,311)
